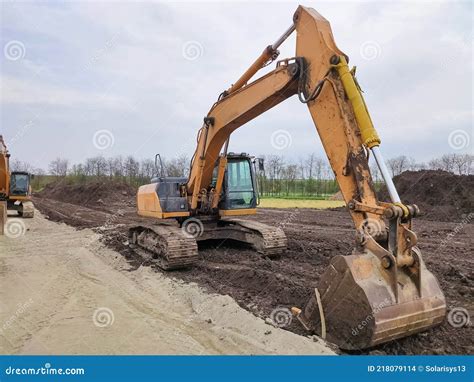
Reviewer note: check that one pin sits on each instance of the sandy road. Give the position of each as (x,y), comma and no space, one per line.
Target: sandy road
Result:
(63,292)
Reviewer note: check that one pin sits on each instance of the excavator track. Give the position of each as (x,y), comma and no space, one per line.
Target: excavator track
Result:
(27,210)
(268,240)
(168,247)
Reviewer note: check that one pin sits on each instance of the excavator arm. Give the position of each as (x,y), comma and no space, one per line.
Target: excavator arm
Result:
(384,282)
(320,76)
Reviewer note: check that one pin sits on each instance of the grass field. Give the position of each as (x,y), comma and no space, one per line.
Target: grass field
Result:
(299,203)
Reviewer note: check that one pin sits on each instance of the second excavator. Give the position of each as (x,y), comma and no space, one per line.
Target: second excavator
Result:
(381,291)
(15,189)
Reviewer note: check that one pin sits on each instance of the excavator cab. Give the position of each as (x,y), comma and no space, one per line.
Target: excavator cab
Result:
(19,198)
(239,191)
(19,184)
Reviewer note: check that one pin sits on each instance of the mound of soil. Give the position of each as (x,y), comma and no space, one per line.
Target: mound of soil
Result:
(91,193)
(440,195)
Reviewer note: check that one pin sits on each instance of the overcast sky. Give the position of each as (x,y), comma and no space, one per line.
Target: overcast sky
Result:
(104,78)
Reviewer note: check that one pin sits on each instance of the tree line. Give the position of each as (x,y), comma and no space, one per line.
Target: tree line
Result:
(307,176)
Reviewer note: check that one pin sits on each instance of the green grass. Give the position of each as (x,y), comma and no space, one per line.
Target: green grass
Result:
(297,197)
(299,203)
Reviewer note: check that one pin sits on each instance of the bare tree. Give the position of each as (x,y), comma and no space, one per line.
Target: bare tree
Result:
(131,168)
(399,164)
(78,170)
(96,166)
(177,166)
(435,164)
(463,163)
(448,162)
(147,168)
(275,166)
(301,168)
(375,172)
(290,173)
(59,167)
(115,166)
(18,165)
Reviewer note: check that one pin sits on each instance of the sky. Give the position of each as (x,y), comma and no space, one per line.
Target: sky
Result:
(81,79)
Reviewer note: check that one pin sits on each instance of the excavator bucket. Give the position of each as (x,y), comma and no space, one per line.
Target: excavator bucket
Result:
(359,303)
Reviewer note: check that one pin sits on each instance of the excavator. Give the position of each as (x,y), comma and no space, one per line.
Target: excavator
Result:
(15,189)
(382,290)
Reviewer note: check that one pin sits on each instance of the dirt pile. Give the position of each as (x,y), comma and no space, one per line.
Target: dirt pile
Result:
(439,194)
(91,193)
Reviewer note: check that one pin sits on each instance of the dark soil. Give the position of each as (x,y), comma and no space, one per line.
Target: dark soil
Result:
(90,194)
(440,195)
(315,236)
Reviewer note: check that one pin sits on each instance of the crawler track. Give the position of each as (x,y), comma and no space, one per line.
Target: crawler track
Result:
(169,247)
(268,240)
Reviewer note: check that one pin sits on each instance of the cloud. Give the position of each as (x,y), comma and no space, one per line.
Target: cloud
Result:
(91,65)
(21,92)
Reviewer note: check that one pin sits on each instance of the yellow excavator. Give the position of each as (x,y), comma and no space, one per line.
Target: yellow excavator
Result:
(383,290)
(15,189)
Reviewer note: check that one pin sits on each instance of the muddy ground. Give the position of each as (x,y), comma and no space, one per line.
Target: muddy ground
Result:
(260,285)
